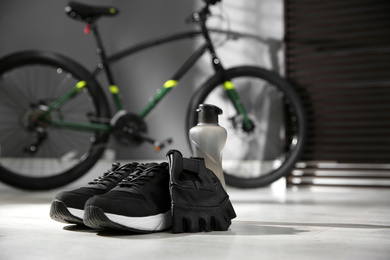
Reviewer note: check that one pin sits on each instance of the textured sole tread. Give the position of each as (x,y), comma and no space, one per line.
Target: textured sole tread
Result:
(198,219)
(59,212)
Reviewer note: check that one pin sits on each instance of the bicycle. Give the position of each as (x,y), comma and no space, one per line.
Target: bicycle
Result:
(56,121)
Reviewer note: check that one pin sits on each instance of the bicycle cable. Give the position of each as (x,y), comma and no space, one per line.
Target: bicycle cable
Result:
(223,18)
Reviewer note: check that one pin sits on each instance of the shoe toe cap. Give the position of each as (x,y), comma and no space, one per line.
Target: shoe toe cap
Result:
(119,203)
(74,199)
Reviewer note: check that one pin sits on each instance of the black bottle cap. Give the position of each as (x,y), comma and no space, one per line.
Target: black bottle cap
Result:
(208,114)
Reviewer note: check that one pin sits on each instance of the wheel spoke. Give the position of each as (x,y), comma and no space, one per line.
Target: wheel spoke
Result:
(24,88)
(255,158)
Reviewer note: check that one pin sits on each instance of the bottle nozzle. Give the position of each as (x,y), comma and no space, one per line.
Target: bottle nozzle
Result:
(208,113)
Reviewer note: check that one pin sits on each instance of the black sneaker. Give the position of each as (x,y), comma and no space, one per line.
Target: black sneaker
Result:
(140,203)
(199,202)
(68,206)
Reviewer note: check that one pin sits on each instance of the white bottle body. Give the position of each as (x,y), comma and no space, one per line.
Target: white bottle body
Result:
(208,141)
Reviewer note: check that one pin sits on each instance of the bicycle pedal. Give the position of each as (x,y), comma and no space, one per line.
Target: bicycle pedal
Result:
(160,145)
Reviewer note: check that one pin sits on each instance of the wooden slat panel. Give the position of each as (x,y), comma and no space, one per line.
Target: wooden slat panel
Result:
(338,57)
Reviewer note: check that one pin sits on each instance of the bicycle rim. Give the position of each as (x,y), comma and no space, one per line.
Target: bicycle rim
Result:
(259,157)
(63,155)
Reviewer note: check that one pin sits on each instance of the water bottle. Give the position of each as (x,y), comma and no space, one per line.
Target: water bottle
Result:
(208,139)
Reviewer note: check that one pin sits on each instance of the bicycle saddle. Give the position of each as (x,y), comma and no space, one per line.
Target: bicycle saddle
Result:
(89,13)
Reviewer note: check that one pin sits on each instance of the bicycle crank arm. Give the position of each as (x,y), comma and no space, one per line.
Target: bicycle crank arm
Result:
(157,144)
(160,145)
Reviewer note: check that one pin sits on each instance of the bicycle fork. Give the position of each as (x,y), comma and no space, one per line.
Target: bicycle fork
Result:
(231,92)
(228,85)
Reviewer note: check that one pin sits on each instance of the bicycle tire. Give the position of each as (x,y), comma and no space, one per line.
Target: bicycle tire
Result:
(28,81)
(258,158)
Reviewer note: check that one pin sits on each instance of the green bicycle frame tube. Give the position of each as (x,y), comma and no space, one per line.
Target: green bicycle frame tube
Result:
(168,85)
(115,93)
(72,125)
(81,126)
(69,95)
(232,94)
(160,94)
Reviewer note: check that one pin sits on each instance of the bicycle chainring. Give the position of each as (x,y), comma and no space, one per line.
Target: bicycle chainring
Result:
(126,127)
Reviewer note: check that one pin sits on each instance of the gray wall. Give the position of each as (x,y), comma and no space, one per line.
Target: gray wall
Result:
(43,25)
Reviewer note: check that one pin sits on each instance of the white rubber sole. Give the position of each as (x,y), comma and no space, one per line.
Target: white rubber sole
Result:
(76,212)
(150,223)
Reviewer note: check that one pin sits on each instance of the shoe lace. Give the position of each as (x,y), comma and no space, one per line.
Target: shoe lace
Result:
(140,178)
(113,174)
(135,174)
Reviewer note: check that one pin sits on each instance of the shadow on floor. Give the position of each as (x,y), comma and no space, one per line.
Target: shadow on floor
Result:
(238,228)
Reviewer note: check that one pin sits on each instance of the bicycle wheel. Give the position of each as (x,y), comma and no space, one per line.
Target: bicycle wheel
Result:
(257,157)
(39,156)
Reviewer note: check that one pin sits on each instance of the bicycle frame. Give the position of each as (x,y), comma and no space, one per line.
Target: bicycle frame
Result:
(173,81)
(167,86)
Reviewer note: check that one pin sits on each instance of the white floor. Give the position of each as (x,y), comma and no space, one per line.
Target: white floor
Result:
(272,223)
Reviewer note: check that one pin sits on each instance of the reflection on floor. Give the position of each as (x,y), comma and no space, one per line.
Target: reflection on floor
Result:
(272,223)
